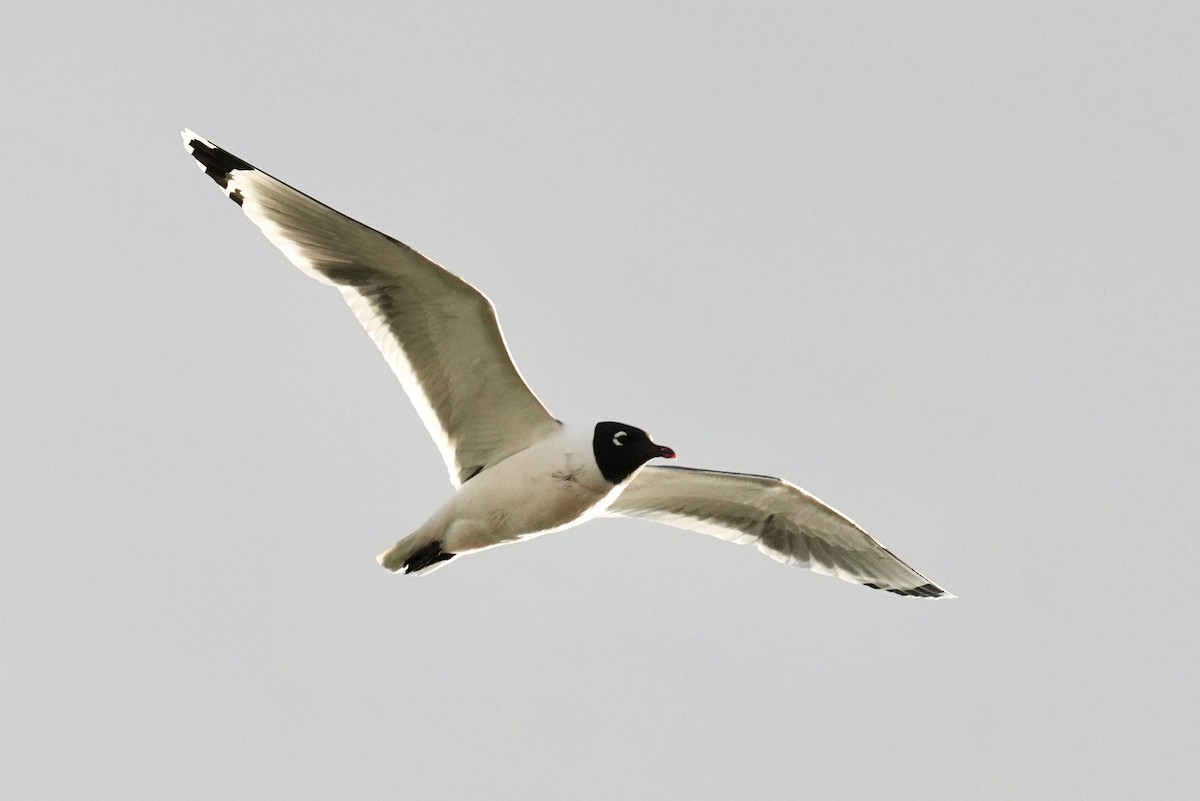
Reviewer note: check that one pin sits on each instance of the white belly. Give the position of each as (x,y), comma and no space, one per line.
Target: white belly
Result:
(549,487)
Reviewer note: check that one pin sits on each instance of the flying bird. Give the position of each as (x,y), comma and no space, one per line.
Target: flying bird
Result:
(519,472)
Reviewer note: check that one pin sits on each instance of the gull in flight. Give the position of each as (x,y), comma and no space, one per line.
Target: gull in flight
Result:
(519,472)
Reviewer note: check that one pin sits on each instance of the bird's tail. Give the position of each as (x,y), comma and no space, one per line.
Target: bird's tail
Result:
(417,553)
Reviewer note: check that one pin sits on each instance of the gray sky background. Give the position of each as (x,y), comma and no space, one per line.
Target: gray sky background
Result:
(937,263)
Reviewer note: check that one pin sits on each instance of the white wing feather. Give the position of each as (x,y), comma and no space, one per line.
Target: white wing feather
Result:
(787,523)
(438,333)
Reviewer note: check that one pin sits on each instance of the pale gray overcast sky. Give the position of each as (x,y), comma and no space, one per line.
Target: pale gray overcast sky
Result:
(937,263)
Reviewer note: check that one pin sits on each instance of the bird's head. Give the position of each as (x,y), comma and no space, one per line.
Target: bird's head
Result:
(621,449)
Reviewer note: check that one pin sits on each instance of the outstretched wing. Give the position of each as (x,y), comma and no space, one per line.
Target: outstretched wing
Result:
(787,523)
(438,333)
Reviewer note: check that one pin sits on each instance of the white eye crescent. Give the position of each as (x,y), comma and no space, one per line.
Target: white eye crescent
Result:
(617,437)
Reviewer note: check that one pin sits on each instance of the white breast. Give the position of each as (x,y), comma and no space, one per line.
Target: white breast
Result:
(548,487)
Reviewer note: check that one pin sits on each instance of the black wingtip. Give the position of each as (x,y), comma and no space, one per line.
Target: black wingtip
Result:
(217,162)
(924,591)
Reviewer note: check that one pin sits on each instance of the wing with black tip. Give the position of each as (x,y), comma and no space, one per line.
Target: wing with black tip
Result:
(438,333)
(786,523)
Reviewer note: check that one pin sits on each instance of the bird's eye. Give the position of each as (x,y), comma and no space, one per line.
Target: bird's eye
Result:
(617,437)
